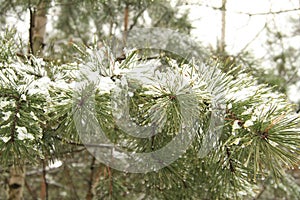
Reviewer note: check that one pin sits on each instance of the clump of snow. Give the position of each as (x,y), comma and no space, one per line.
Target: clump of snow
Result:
(23,97)
(40,86)
(5,139)
(106,84)
(143,72)
(248,123)
(6,115)
(34,116)
(23,134)
(242,94)
(4,103)
(55,164)
(236,125)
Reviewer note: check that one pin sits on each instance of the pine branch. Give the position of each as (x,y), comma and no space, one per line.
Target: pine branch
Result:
(7,95)
(123,57)
(232,169)
(15,121)
(84,145)
(27,57)
(257,197)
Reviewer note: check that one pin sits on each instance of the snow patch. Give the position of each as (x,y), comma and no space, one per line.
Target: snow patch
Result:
(23,134)
(6,115)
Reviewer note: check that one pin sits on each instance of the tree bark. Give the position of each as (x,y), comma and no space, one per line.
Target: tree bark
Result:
(39,29)
(44,184)
(126,16)
(16,183)
(222,43)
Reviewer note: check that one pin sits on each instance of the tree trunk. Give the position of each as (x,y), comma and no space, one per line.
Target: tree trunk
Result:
(39,29)
(44,184)
(126,15)
(222,43)
(16,183)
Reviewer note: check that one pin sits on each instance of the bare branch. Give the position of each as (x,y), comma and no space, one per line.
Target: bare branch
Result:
(272,12)
(135,19)
(245,13)
(252,40)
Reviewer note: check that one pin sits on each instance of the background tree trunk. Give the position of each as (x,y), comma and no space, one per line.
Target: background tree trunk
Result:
(222,43)
(16,183)
(39,29)
(38,37)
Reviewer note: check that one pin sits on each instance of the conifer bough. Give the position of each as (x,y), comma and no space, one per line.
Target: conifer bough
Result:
(215,134)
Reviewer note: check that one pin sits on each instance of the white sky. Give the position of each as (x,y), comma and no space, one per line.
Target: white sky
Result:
(240,28)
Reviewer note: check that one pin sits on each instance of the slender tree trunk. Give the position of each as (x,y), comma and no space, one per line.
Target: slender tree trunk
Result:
(126,16)
(39,29)
(44,184)
(16,183)
(38,37)
(126,13)
(222,43)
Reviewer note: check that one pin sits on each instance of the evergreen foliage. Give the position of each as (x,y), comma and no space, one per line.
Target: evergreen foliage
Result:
(40,109)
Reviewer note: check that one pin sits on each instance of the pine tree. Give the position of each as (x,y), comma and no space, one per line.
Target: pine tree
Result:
(241,135)
(229,135)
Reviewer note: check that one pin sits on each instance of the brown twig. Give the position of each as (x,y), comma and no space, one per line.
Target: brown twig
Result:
(231,166)
(135,19)
(44,184)
(110,181)
(15,120)
(272,12)
(260,193)
(85,145)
